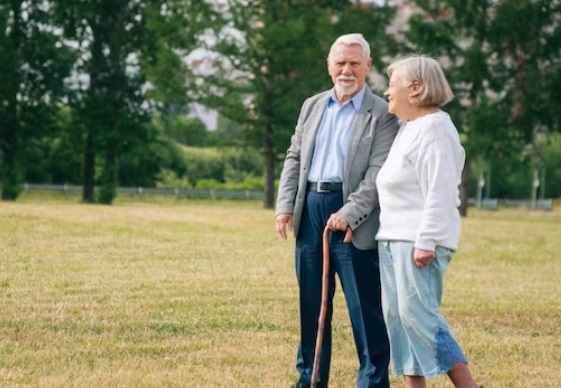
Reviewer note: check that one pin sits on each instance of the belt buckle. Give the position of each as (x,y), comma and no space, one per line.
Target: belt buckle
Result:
(319,188)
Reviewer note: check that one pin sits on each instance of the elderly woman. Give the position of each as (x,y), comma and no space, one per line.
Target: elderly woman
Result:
(420,224)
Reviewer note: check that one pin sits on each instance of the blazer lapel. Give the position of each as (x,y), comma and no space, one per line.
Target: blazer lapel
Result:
(361,120)
(309,140)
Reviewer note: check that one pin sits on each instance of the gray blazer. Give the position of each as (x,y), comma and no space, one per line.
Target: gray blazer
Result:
(372,135)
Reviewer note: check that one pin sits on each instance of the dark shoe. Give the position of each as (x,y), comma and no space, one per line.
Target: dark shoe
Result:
(298,385)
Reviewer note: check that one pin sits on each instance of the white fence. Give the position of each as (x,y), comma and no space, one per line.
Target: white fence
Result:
(142,191)
(495,203)
(486,203)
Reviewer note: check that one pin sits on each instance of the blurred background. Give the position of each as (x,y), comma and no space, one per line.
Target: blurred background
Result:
(201,94)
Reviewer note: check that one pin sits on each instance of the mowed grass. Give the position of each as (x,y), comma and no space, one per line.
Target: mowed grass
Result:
(203,294)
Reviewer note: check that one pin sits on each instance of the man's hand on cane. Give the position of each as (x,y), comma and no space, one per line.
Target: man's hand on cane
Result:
(337,222)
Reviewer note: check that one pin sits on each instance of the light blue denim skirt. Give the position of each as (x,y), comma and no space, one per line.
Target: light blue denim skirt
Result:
(421,341)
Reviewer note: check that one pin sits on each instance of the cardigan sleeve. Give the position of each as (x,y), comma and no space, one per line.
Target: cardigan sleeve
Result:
(439,172)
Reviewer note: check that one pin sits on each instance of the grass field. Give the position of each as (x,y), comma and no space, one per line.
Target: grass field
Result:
(203,294)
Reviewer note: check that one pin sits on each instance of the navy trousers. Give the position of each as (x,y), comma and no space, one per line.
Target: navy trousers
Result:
(359,274)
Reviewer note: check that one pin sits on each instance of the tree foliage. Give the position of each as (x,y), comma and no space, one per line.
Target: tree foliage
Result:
(110,35)
(97,92)
(33,66)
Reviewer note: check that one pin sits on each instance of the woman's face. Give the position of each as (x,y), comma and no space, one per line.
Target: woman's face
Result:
(398,95)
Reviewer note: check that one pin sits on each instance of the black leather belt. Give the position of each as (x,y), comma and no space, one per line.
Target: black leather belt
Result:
(325,187)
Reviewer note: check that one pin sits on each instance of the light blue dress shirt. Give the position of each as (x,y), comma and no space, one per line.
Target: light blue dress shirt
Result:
(332,138)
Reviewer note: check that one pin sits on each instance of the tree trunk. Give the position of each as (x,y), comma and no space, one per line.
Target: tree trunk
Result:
(108,190)
(10,131)
(92,114)
(464,189)
(10,186)
(89,169)
(269,200)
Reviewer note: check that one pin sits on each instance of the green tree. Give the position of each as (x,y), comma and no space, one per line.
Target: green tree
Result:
(142,161)
(54,154)
(189,131)
(110,36)
(177,27)
(34,64)
(551,178)
(227,133)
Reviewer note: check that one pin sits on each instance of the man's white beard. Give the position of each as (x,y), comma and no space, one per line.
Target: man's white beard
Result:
(340,89)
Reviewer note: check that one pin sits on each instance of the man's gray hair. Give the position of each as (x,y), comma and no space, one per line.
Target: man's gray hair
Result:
(350,39)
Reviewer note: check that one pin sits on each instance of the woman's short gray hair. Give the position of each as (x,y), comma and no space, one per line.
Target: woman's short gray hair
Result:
(434,89)
(350,39)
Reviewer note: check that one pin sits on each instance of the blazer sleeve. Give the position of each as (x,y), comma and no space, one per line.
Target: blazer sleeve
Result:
(288,183)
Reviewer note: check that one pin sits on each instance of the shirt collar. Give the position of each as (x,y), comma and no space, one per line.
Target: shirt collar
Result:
(356,100)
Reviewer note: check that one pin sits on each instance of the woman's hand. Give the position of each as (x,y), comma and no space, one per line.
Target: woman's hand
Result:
(423,258)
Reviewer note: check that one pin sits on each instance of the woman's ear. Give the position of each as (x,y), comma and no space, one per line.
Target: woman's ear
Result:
(415,89)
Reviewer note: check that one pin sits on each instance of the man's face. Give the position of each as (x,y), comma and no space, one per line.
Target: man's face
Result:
(348,69)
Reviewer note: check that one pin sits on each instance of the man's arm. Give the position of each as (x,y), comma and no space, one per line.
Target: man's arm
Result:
(288,183)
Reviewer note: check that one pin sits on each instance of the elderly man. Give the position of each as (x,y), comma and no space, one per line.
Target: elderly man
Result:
(341,140)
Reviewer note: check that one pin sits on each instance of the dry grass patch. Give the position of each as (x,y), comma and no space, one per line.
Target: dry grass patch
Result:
(203,294)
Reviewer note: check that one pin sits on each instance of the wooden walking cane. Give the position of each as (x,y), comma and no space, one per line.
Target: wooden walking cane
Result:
(324,296)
